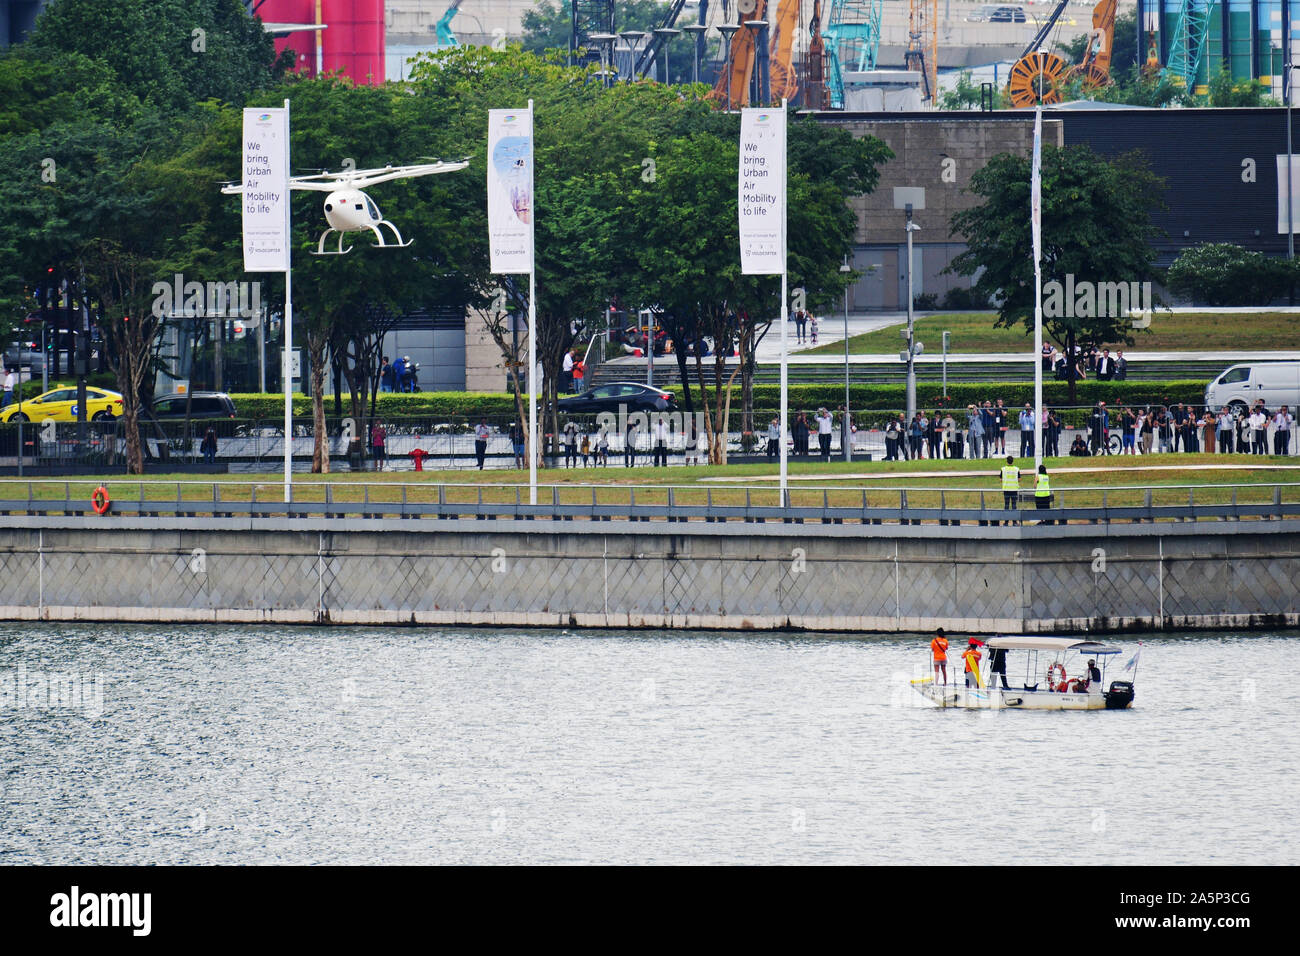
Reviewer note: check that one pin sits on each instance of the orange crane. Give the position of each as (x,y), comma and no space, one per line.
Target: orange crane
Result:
(922,52)
(1037,76)
(785,81)
(739,68)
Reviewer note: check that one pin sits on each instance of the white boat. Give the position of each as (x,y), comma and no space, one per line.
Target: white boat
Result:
(1046,663)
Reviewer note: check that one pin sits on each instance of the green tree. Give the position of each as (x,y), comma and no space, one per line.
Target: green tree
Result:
(1225,91)
(1220,273)
(1096,227)
(168,53)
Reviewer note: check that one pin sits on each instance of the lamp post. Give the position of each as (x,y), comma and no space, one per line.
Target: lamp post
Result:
(1286,91)
(633,37)
(728,30)
(606,41)
(910,228)
(847,440)
(759,28)
(667,34)
(697,31)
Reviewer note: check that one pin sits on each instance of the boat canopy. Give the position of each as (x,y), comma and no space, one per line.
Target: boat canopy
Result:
(1030,642)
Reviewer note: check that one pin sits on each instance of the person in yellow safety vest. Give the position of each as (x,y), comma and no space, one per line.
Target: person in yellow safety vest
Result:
(1043,492)
(1010,484)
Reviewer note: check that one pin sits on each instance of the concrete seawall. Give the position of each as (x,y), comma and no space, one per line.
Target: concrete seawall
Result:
(652,574)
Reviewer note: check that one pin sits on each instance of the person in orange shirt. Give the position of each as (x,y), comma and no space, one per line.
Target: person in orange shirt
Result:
(939,650)
(972,657)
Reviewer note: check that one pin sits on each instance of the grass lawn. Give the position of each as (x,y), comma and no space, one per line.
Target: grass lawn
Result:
(973,332)
(960,482)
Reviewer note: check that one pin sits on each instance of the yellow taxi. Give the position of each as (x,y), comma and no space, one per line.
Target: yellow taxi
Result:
(60,405)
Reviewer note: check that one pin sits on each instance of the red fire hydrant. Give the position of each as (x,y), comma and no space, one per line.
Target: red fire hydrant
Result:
(419,455)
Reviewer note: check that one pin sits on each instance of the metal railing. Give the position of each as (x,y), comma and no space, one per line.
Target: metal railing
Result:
(671,503)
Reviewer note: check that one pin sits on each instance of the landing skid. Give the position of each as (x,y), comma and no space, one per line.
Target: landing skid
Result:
(320,246)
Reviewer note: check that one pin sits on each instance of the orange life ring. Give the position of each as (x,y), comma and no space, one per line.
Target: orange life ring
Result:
(1064,684)
(100,501)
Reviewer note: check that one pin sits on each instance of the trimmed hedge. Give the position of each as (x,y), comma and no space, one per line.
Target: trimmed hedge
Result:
(767,398)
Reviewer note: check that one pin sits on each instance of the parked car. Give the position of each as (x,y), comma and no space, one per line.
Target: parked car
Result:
(633,396)
(60,405)
(1007,15)
(1277,383)
(202,405)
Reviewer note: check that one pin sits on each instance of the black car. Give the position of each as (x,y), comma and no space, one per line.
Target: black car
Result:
(610,398)
(202,405)
(1007,15)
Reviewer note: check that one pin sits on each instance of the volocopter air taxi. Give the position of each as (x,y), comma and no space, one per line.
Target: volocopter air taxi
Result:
(348,208)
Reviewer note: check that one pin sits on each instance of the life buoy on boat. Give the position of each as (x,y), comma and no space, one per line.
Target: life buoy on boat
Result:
(100,501)
(1064,683)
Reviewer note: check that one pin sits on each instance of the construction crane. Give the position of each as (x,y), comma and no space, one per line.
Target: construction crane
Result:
(739,68)
(1037,75)
(853,35)
(1187,43)
(1094,68)
(785,80)
(650,53)
(587,17)
(922,52)
(814,84)
(442,29)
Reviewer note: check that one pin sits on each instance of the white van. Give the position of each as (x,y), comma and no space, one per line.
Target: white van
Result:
(1277,383)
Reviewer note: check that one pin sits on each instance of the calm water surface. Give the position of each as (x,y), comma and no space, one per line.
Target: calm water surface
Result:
(268,744)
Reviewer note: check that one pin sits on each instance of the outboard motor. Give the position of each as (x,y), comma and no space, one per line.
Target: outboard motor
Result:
(1119,696)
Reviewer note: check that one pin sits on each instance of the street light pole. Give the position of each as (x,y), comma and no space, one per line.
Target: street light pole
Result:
(728,30)
(632,37)
(847,439)
(667,33)
(1286,90)
(697,31)
(910,228)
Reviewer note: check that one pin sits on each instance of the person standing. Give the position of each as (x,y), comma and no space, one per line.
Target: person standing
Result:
(801,434)
(602,448)
(1027,432)
(891,439)
(998,667)
(570,445)
(517,442)
(990,430)
(1105,366)
(812,327)
(579,375)
(1208,424)
(586,450)
(661,443)
(378,441)
(773,437)
(1147,430)
(974,430)
(1243,433)
(1121,366)
(1052,435)
(800,325)
(1001,425)
(1010,484)
(972,658)
(629,445)
(387,380)
(209,446)
(933,435)
(915,432)
(1129,424)
(939,651)
(481,433)
(566,372)
(1224,430)
(1043,491)
(824,423)
(1282,423)
(1258,432)
(8,389)
(950,436)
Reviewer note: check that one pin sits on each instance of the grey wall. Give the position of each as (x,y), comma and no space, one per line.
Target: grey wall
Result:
(735,576)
